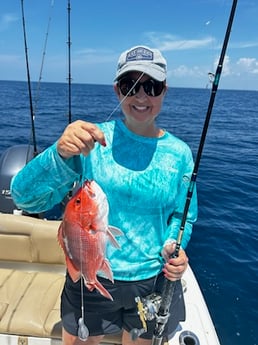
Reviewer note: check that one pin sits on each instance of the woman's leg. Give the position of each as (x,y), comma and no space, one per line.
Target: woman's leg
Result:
(127,340)
(69,339)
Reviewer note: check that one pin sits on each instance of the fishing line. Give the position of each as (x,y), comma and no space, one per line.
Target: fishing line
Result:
(83,332)
(168,289)
(124,98)
(210,74)
(213,48)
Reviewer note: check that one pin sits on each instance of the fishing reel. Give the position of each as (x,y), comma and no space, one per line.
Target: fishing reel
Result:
(148,308)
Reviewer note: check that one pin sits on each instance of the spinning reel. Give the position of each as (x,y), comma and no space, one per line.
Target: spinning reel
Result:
(148,308)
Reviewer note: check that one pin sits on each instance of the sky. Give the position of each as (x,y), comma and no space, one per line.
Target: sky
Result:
(189,33)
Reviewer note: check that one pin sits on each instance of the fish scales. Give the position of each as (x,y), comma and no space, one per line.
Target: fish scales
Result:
(83,235)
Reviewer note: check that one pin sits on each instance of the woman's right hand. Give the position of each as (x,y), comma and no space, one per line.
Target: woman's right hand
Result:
(79,137)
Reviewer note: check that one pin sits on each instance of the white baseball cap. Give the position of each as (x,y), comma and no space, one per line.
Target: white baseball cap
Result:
(143,59)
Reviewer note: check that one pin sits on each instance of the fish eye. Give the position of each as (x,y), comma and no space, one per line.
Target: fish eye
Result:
(78,201)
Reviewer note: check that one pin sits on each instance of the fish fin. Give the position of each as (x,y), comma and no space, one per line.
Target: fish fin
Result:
(106,270)
(73,272)
(102,290)
(89,286)
(112,232)
(97,285)
(60,238)
(115,231)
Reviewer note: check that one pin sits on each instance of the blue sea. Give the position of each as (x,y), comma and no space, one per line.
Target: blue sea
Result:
(224,246)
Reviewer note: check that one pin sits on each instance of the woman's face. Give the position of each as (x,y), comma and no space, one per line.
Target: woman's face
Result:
(141,109)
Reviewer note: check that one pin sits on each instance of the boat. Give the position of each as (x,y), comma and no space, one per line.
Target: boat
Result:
(32,273)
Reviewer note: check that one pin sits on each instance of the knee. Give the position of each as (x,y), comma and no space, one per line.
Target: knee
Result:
(70,339)
(94,340)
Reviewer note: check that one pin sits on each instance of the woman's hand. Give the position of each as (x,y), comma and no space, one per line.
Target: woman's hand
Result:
(174,267)
(79,137)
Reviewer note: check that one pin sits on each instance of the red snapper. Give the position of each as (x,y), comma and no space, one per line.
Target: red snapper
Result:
(83,235)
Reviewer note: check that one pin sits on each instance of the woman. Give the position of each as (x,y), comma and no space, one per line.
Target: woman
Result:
(145,172)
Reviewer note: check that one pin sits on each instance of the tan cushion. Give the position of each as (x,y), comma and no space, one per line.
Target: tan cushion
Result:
(29,302)
(29,239)
(31,278)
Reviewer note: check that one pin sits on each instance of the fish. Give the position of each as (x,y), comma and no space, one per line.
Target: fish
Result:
(83,235)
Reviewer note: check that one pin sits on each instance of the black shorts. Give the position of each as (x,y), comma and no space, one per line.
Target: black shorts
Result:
(103,316)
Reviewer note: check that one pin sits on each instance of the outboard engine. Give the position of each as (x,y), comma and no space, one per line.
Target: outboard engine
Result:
(11,161)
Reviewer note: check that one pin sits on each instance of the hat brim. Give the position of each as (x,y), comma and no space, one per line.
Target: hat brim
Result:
(153,70)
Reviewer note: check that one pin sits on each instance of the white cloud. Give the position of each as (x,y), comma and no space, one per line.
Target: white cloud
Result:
(227,66)
(244,45)
(243,69)
(244,65)
(182,71)
(9,59)
(167,42)
(6,20)
(185,44)
(249,65)
(93,57)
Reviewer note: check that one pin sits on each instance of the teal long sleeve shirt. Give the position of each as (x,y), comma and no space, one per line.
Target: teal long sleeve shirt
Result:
(145,180)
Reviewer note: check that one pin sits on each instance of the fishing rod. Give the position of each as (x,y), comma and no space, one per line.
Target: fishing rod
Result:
(43,57)
(35,151)
(169,286)
(69,63)
(155,305)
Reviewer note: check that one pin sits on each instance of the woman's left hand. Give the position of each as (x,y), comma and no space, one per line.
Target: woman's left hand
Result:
(174,267)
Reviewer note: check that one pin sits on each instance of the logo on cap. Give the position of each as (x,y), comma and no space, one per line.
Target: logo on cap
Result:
(139,53)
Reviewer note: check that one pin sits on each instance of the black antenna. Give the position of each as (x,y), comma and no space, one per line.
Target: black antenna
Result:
(29,84)
(69,64)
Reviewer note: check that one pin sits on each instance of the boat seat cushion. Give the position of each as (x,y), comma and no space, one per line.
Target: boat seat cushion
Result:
(31,240)
(30,303)
(31,276)
(32,273)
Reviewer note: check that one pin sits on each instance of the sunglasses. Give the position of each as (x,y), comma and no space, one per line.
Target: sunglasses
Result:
(129,87)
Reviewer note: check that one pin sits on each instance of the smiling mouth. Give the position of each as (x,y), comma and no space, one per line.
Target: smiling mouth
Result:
(140,108)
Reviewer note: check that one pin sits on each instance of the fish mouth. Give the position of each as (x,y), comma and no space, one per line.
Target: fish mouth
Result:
(89,188)
(87,183)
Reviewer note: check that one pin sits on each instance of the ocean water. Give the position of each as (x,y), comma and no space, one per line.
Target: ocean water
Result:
(223,249)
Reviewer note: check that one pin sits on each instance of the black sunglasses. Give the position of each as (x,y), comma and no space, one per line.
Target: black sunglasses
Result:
(151,87)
